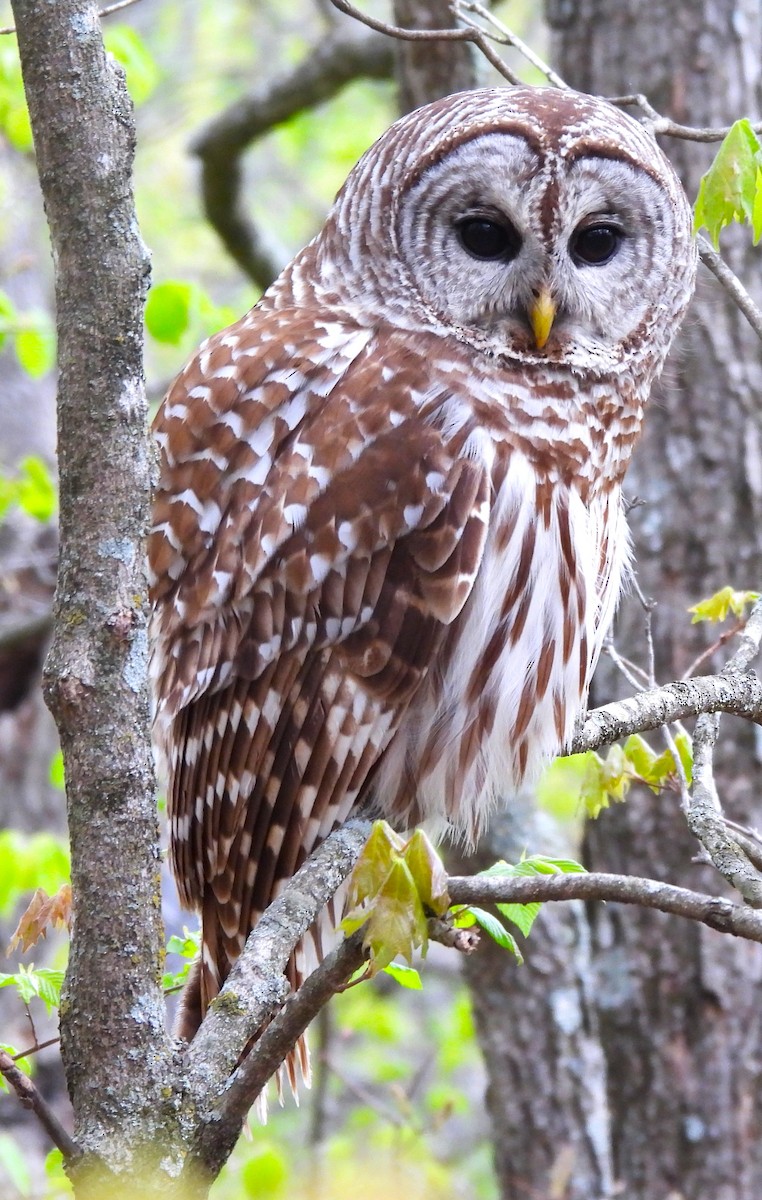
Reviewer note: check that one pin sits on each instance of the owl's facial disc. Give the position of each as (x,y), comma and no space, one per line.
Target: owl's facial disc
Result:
(539,255)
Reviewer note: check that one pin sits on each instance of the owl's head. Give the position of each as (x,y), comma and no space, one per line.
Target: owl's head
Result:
(533,223)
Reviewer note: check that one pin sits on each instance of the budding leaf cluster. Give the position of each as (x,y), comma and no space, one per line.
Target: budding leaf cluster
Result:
(395,886)
(718,607)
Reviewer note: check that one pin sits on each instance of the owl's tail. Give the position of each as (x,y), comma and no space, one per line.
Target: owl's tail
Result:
(211,969)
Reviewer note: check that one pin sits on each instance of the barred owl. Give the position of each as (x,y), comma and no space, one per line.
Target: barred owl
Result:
(388,536)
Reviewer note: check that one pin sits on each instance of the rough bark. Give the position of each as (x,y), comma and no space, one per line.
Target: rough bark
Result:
(537,1029)
(114,1047)
(678,1007)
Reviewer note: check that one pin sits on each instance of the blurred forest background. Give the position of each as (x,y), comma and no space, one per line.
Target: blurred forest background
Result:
(622,1053)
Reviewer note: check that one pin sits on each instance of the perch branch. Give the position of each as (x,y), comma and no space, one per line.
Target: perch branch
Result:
(218,1135)
(256,987)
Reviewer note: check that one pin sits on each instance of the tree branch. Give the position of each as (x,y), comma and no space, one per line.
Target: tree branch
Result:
(702,804)
(731,283)
(30,1098)
(256,987)
(733,692)
(714,911)
(218,1135)
(333,64)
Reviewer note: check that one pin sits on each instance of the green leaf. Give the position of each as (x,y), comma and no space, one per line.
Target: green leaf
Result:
(56,771)
(140,67)
(640,755)
(728,191)
(36,490)
(406,977)
(381,850)
(428,873)
(14,117)
(756,212)
(397,924)
(558,789)
(522,915)
(8,317)
(718,606)
(685,751)
(168,310)
(497,931)
(36,349)
(30,861)
(265,1173)
(22,1063)
(58,1180)
(187,945)
(540,864)
(43,983)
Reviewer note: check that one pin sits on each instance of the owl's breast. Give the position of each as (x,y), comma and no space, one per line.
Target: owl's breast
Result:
(517,663)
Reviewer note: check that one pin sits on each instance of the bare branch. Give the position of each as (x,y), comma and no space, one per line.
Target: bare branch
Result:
(104,12)
(731,692)
(731,283)
(505,37)
(466,33)
(30,1097)
(714,911)
(399,31)
(322,74)
(669,128)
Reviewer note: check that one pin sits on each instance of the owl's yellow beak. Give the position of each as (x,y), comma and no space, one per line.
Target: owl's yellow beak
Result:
(541,316)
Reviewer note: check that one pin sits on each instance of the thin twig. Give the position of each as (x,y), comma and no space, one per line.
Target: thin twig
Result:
(506,37)
(669,128)
(31,1098)
(105,12)
(466,33)
(731,283)
(710,651)
(35,1049)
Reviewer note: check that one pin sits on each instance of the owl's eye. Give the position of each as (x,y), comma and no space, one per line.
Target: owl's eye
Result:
(594,245)
(488,240)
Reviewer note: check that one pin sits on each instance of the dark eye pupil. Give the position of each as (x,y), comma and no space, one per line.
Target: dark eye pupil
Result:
(595,245)
(487,239)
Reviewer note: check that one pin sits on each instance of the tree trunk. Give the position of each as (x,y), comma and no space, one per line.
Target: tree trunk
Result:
(115,1051)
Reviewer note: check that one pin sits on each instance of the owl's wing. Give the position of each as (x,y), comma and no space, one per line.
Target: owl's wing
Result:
(303,586)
